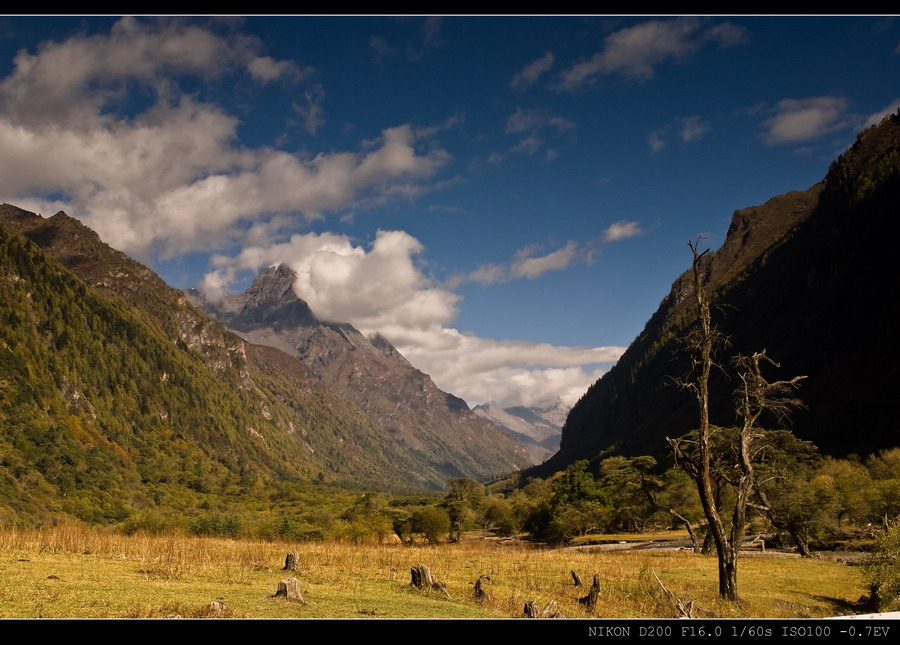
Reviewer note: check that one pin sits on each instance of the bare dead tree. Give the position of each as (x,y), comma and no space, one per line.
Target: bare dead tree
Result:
(754,396)
(701,342)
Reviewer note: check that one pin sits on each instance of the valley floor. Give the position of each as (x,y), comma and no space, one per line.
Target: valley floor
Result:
(72,572)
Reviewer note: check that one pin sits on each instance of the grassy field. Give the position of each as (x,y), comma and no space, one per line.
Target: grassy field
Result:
(72,571)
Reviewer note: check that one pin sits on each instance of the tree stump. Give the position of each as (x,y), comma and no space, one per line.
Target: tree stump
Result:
(421,577)
(289,588)
(577,579)
(480,592)
(590,600)
(550,610)
(290,562)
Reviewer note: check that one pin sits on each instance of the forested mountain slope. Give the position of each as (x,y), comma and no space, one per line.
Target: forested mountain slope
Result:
(116,394)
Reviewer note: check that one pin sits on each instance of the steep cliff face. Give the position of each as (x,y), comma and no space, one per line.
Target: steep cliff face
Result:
(435,426)
(810,277)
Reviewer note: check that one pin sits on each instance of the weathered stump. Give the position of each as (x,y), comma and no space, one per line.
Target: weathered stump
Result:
(215,608)
(421,577)
(590,600)
(480,592)
(290,562)
(577,579)
(289,589)
(550,610)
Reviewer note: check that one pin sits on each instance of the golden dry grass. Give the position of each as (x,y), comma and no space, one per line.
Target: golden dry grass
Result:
(73,571)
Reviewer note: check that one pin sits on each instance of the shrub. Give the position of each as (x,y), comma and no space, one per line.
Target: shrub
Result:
(217,525)
(883,569)
(432,522)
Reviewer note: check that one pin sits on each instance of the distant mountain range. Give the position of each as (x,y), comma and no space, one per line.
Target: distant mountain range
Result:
(116,393)
(809,276)
(432,425)
(538,429)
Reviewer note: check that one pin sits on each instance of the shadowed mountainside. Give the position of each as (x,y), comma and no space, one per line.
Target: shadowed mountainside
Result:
(809,276)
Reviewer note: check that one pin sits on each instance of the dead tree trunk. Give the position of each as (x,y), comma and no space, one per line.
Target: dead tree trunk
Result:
(577,579)
(701,343)
(289,589)
(290,562)
(754,396)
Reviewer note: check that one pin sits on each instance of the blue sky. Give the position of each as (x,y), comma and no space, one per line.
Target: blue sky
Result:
(506,199)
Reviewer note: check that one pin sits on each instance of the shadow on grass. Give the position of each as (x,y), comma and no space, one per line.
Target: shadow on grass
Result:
(842,604)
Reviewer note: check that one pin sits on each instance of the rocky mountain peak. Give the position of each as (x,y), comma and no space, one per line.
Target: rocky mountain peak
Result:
(276,278)
(271,301)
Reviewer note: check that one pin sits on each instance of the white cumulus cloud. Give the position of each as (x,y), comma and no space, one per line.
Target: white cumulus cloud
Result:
(381,289)
(621,230)
(528,266)
(634,52)
(173,178)
(805,119)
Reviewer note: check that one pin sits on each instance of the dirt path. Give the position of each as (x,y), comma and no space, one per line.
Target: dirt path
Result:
(685,545)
